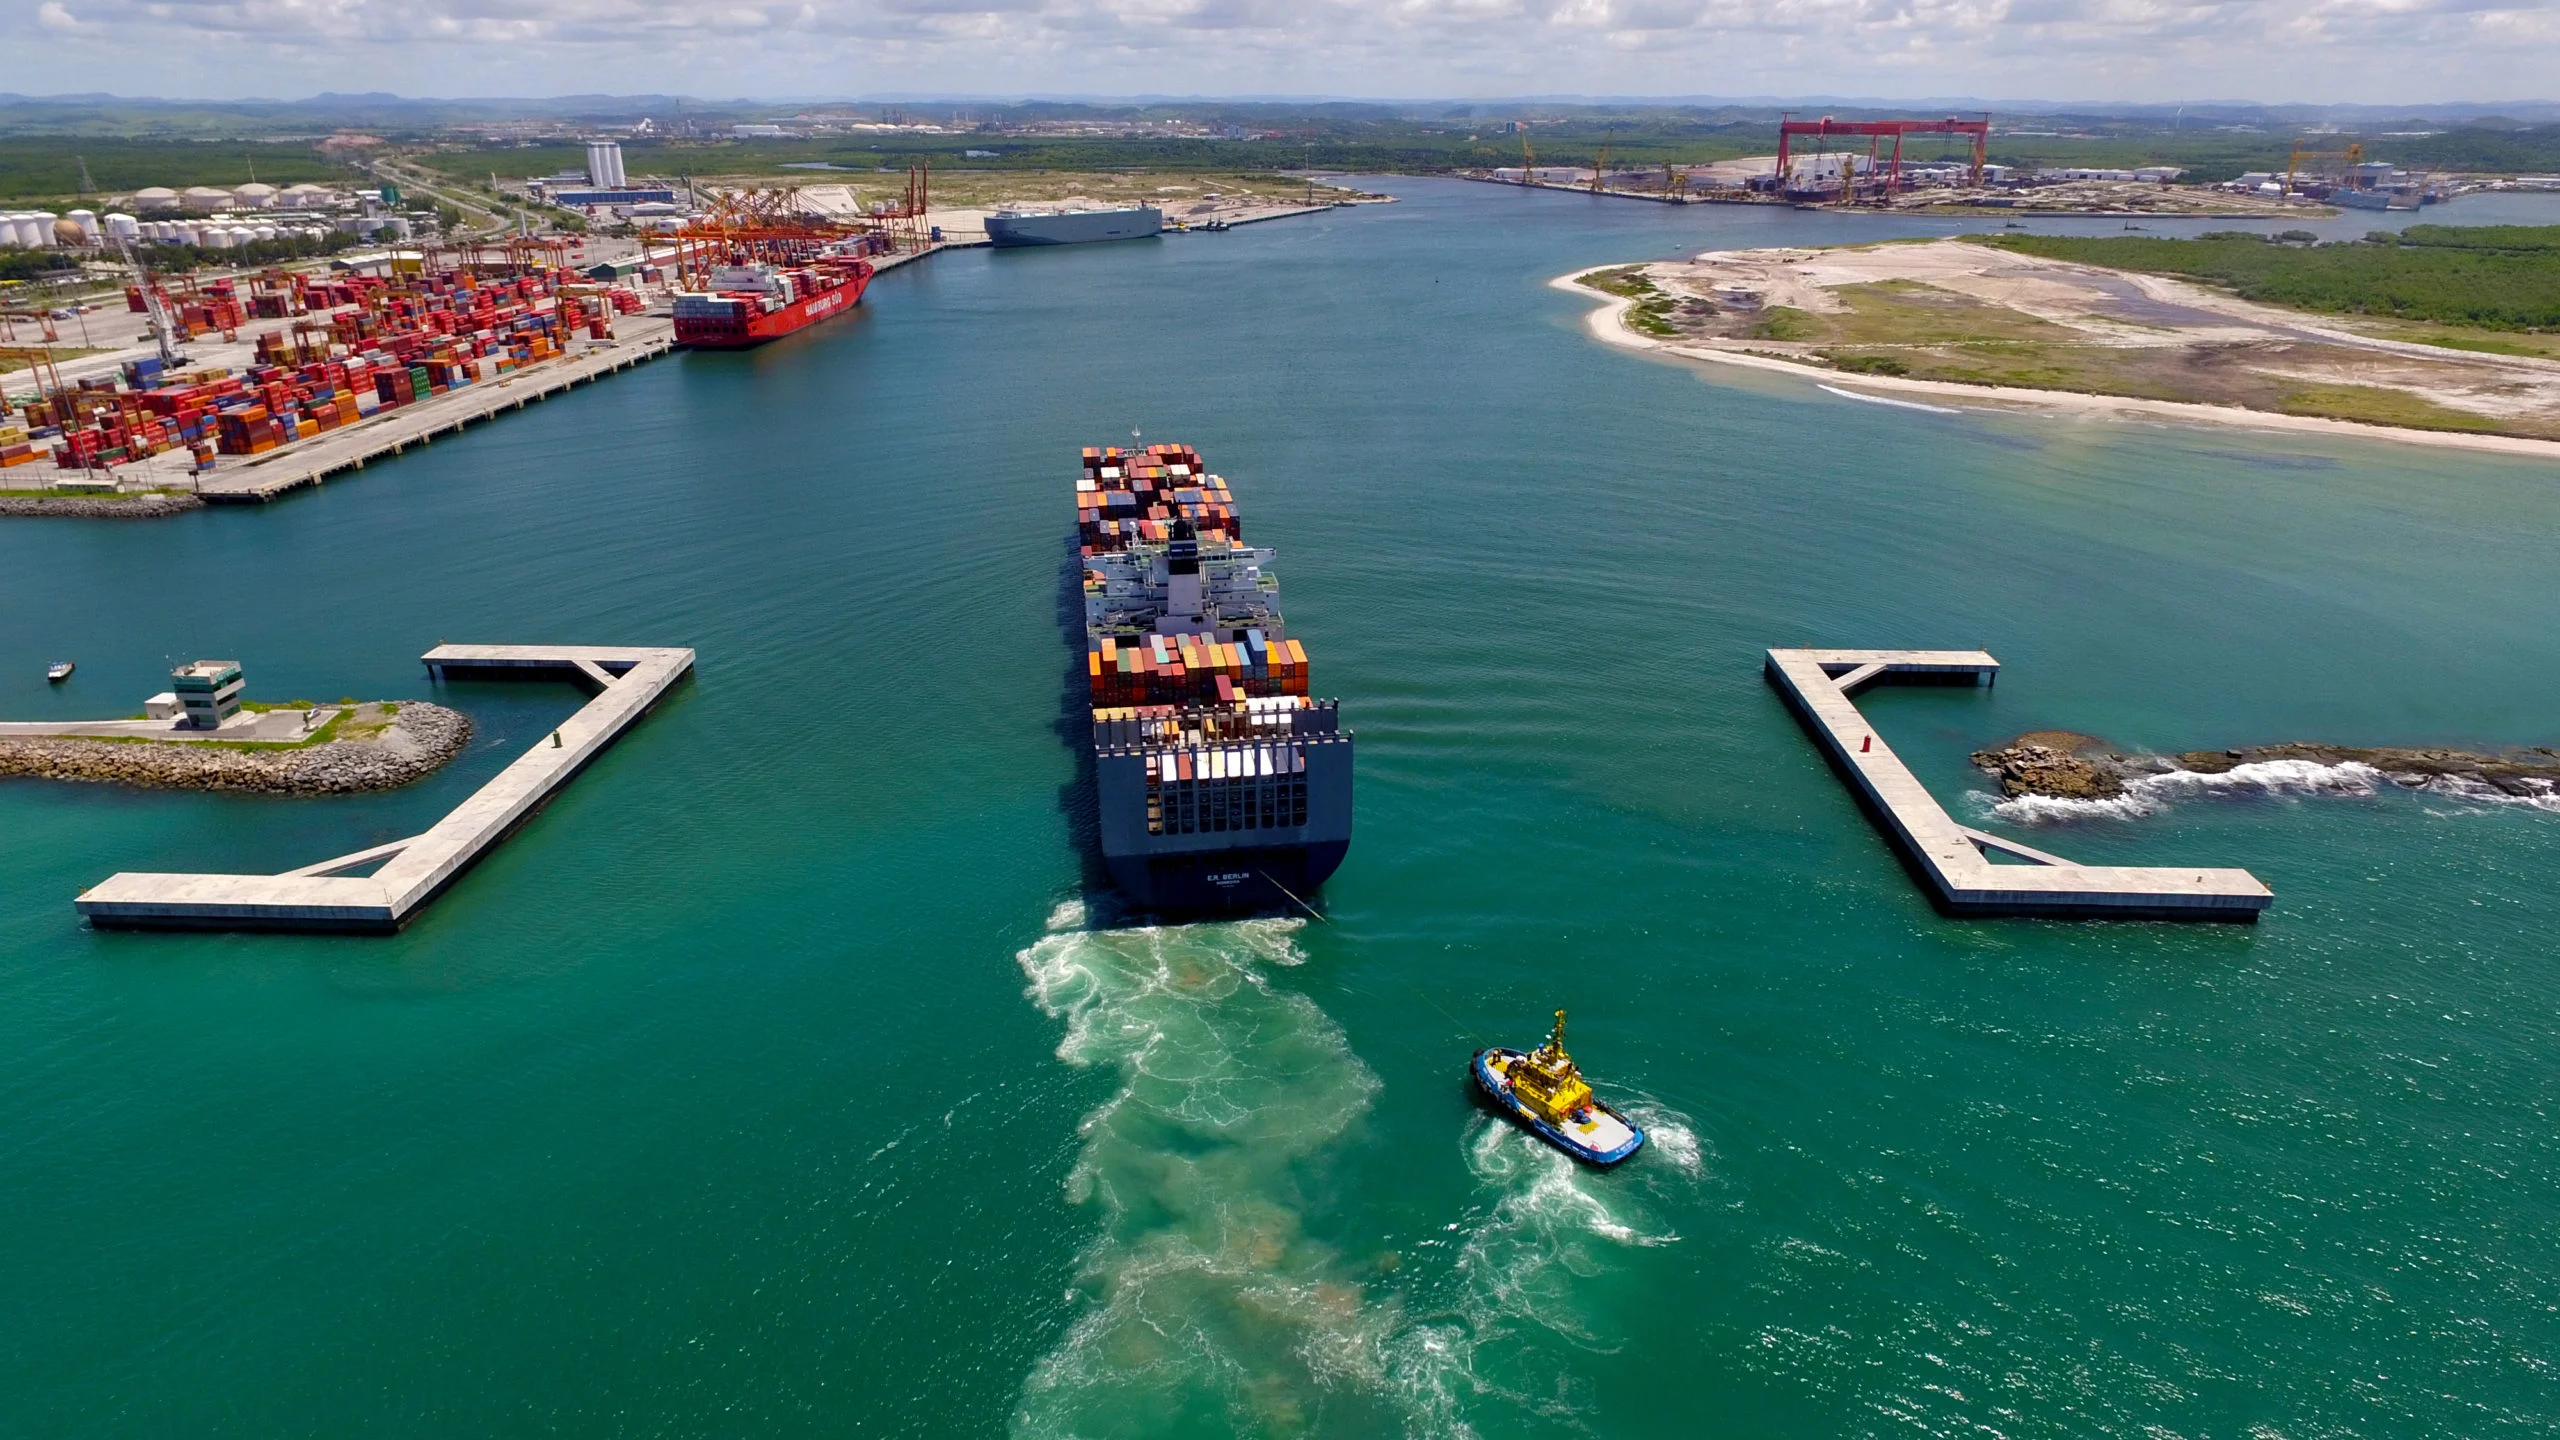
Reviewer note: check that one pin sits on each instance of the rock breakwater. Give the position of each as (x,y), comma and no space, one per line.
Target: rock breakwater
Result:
(2061,765)
(375,747)
(2057,763)
(99,507)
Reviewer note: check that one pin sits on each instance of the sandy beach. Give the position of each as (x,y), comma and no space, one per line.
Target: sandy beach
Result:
(2044,290)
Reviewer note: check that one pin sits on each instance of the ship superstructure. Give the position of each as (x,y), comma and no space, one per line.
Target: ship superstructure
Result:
(1222,782)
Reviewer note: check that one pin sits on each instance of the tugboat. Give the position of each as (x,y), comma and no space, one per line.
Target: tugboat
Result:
(59,671)
(1542,1090)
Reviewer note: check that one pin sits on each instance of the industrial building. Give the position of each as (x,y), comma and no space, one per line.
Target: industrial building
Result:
(604,165)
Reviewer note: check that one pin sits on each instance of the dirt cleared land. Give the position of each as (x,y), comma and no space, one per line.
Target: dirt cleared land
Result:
(961,200)
(1177,192)
(2105,197)
(1945,315)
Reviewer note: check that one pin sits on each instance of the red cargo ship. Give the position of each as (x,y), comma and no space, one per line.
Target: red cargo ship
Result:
(750,304)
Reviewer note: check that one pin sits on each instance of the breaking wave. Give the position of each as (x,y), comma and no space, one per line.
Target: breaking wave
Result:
(1207,1308)
(2460,787)
(2150,794)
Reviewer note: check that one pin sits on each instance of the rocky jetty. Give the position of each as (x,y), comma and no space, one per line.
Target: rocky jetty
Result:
(2524,774)
(2067,766)
(2059,763)
(376,747)
(99,507)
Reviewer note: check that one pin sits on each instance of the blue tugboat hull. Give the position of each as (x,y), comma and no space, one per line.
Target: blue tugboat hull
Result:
(1500,1091)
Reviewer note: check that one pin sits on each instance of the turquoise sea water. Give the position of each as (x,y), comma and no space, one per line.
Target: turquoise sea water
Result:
(777,1080)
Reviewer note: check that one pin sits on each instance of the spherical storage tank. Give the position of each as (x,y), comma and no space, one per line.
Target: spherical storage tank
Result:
(155,197)
(206,197)
(254,196)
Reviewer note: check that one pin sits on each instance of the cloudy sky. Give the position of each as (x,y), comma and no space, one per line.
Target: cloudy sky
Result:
(2379,51)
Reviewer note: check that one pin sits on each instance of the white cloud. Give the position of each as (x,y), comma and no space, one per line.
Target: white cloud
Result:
(2373,50)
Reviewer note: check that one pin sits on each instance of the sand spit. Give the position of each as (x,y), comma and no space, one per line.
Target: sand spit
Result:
(2165,336)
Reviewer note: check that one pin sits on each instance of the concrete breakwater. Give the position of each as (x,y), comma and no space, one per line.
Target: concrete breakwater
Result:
(1954,861)
(329,895)
(375,747)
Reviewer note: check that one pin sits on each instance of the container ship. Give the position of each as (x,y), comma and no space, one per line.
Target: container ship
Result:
(750,304)
(1222,784)
(1007,228)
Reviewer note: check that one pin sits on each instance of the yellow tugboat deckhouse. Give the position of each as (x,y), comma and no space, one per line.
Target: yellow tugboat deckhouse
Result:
(1545,1090)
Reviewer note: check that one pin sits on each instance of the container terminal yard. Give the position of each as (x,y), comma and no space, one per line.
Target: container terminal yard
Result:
(255,383)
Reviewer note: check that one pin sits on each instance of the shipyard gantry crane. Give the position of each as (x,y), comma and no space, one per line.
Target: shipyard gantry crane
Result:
(2348,159)
(1790,129)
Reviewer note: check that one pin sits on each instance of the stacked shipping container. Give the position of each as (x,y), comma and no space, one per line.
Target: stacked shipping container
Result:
(1219,782)
(382,344)
(1131,498)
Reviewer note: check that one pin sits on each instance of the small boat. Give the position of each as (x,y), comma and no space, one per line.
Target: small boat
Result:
(1543,1090)
(59,671)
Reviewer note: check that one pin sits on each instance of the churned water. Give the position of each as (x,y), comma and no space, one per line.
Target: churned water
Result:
(780,1079)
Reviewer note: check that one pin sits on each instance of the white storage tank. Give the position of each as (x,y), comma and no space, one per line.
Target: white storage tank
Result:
(214,237)
(255,196)
(36,231)
(87,222)
(8,229)
(206,197)
(242,235)
(155,197)
(122,226)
